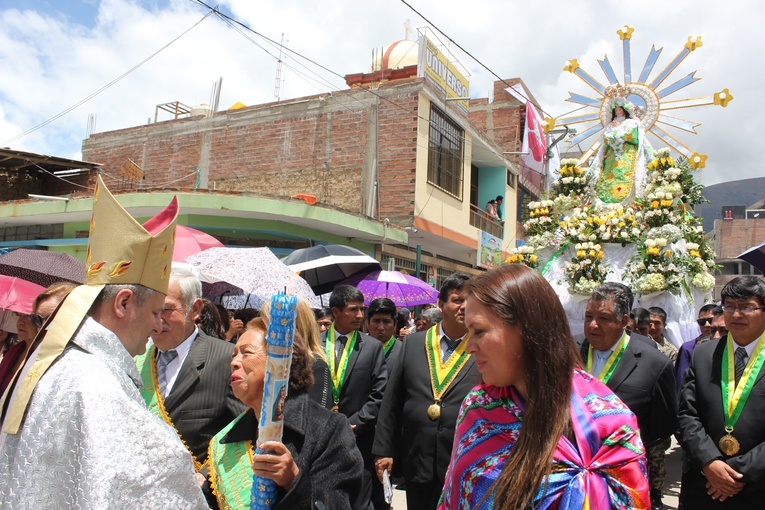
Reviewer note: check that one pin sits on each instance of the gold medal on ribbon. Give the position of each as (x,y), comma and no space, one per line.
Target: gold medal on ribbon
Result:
(736,393)
(442,372)
(728,444)
(434,411)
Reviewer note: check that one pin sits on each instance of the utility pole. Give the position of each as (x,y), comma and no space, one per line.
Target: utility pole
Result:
(278,81)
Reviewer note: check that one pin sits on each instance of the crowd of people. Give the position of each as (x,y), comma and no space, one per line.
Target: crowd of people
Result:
(132,391)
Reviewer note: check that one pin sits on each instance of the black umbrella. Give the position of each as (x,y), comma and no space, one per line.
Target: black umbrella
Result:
(755,256)
(42,267)
(325,266)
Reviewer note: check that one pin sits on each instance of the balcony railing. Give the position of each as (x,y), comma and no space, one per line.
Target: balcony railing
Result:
(481,220)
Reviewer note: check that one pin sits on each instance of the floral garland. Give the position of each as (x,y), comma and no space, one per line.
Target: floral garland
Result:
(585,271)
(523,255)
(672,254)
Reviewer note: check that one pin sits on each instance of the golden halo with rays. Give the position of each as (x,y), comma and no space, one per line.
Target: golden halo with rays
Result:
(648,95)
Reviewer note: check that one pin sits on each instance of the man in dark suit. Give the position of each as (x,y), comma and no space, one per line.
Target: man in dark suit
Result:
(190,376)
(380,320)
(727,449)
(425,400)
(359,374)
(637,373)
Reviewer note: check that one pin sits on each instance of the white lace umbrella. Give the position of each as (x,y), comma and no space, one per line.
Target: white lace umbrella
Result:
(252,272)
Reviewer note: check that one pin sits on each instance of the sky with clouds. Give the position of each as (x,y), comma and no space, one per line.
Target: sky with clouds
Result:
(61,56)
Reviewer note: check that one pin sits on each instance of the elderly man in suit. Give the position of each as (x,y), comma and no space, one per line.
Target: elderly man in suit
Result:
(637,373)
(722,407)
(429,381)
(186,373)
(359,374)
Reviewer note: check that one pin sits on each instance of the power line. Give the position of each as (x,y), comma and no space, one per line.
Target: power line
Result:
(471,56)
(108,85)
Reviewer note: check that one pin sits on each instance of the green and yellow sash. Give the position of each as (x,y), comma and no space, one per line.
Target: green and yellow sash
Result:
(613,360)
(387,346)
(150,393)
(231,469)
(443,373)
(338,374)
(734,396)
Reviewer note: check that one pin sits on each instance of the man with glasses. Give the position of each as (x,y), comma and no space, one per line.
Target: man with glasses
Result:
(186,373)
(722,404)
(707,314)
(636,372)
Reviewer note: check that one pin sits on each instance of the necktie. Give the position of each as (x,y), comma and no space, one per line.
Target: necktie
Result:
(163,360)
(339,348)
(739,358)
(450,346)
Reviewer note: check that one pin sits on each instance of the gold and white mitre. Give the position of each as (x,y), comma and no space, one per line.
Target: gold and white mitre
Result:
(121,251)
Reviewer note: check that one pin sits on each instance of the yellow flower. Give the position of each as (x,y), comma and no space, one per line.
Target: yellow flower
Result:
(655,204)
(600,254)
(581,254)
(533,258)
(593,253)
(667,254)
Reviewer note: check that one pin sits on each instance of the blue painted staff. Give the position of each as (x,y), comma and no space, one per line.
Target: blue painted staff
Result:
(280,335)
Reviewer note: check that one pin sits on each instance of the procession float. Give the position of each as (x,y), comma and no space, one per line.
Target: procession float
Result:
(623,211)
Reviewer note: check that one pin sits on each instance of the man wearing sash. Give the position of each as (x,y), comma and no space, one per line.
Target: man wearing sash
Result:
(381,320)
(185,373)
(75,430)
(426,388)
(722,407)
(640,375)
(358,372)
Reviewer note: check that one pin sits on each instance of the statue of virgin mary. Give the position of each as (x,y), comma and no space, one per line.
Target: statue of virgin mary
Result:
(619,167)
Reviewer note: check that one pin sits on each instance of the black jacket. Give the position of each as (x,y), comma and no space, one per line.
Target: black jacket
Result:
(702,424)
(322,445)
(427,444)
(644,379)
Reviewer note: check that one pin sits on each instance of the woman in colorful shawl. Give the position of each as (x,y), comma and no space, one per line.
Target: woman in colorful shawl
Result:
(317,459)
(539,432)
(619,168)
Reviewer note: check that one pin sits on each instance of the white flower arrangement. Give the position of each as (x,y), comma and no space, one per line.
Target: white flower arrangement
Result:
(585,271)
(523,255)
(703,281)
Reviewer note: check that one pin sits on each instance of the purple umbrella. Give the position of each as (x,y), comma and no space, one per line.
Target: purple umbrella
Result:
(402,289)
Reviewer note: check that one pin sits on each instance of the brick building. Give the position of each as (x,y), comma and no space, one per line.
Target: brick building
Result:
(739,229)
(407,169)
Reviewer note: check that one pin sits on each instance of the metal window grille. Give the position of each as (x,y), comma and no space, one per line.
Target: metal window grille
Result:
(445,153)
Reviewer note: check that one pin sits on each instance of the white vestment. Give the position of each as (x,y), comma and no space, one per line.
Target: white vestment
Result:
(89,441)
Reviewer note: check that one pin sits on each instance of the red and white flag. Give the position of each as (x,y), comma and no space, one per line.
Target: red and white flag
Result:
(534,141)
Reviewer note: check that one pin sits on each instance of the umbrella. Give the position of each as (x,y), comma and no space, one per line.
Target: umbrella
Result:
(325,266)
(402,289)
(189,241)
(42,267)
(253,271)
(18,295)
(755,256)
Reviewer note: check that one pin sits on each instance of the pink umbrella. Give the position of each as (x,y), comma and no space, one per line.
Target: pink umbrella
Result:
(402,289)
(18,295)
(189,241)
